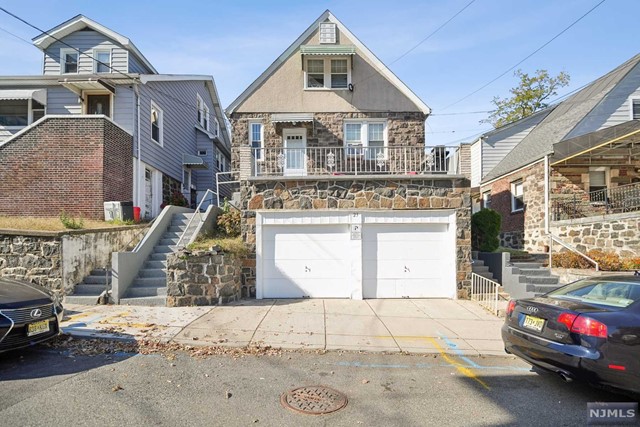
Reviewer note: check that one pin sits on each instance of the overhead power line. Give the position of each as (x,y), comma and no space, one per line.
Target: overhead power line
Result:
(527,57)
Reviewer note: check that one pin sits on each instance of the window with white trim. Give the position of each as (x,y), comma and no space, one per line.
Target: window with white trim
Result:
(366,137)
(156,123)
(69,61)
(203,112)
(635,108)
(186,180)
(517,196)
(486,200)
(102,61)
(327,73)
(256,139)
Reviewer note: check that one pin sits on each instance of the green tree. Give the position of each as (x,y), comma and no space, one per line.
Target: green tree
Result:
(531,95)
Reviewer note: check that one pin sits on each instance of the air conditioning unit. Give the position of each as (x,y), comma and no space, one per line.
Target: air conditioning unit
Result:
(112,211)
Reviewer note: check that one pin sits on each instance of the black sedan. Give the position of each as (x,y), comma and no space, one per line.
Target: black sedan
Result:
(588,330)
(28,314)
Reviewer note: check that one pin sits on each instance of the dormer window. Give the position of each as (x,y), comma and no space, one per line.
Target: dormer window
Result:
(203,112)
(327,73)
(635,108)
(328,33)
(102,63)
(69,61)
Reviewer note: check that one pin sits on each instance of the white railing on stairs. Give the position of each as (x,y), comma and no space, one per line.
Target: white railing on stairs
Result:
(485,292)
(554,238)
(198,213)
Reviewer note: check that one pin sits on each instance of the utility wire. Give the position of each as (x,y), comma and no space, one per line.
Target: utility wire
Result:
(527,57)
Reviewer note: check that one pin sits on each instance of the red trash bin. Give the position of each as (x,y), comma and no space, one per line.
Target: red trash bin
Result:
(136,214)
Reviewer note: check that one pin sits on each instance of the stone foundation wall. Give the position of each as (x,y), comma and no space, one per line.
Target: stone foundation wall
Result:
(512,239)
(36,259)
(618,233)
(360,195)
(203,278)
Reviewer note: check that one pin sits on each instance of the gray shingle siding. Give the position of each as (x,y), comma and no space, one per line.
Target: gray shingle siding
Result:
(124,109)
(86,42)
(62,101)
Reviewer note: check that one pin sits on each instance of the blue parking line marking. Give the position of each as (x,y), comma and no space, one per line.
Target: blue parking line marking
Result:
(458,352)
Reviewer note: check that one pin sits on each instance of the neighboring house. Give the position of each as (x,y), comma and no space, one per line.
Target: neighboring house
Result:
(576,173)
(340,197)
(100,124)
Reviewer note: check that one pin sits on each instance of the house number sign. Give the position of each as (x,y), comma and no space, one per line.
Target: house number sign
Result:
(356,226)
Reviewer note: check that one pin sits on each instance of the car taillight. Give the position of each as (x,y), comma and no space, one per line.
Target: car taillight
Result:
(587,326)
(511,307)
(567,319)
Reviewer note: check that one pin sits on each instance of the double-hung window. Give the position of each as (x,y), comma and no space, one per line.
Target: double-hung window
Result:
(366,138)
(69,61)
(256,139)
(486,200)
(327,73)
(598,184)
(517,196)
(203,112)
(156,123)
(102,61)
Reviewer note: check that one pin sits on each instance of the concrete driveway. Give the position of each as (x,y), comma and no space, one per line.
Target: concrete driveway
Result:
(417,326)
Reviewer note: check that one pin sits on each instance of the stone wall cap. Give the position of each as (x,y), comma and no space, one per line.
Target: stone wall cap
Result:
(408,177)
(40,233)
(595,219)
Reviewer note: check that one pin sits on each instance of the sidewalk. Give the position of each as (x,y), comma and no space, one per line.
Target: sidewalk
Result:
(437,326)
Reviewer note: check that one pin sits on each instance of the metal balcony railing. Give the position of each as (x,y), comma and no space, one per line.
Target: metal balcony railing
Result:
(354,160)
(624,198)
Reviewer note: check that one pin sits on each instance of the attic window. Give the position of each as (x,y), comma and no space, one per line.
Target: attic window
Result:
(635,108)
(327,33)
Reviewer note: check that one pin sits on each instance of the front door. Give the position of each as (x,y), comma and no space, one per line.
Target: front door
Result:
(99,104)
(295,151)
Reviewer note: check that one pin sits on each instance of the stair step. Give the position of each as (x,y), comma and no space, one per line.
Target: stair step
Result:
(176,228)
(150,281)
(146,291)
(486,274)
(155,264)
(96,280)
(84,289)
(535,271)
(530,265)
(152,272)
(478,262)
(539,280)
(100,272)
(479,268)
(158,257)
(169,242)
(164,249)
(157,301)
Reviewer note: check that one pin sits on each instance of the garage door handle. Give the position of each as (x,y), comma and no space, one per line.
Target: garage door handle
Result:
(307,269)
(406,269)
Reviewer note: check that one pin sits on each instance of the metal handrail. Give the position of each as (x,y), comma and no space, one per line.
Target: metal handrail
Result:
(486,292)
(225,182)
(623,198)
(204,198)
(553,238)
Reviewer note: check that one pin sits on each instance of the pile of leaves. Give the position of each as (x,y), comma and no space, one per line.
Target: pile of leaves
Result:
(229,221)
(607,261)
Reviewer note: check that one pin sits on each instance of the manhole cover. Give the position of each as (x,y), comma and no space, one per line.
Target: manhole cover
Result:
(314,400)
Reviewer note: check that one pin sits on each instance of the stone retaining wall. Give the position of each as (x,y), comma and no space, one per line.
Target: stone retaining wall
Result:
(618,233)
(37,259)
(203,278)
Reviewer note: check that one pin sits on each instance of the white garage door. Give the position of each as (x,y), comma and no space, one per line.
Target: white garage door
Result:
(407,260)
(306,261)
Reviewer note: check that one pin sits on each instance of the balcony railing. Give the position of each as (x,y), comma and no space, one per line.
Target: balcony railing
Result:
(624,198)
(354,160)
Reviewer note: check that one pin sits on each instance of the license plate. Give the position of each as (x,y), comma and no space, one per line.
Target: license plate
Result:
(534,323)
(37,328)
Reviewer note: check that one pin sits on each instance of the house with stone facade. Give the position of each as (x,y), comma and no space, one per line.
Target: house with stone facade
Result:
(340,196)
(574,171)
(101,124)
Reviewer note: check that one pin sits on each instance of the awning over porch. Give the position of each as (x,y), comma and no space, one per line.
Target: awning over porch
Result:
(291,117)
(77,85)
(625,135)
(39,95)
(333,50)
(193,162)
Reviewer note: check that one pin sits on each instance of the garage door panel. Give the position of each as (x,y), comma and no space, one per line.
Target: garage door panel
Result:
(406,251)
(428,269)
(415,288)
(313,288)
(297,269)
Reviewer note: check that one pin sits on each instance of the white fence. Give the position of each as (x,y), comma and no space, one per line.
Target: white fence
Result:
(486,292)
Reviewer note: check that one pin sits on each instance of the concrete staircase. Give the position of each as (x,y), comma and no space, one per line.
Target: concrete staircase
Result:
(88,292)
(150,287)
(480,269)
(535,279)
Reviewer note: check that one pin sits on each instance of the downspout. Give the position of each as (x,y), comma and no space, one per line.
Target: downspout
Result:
(546,207)
(137,179)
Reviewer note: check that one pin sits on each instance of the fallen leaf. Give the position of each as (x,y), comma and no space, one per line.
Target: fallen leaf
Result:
(117,388)
(365,381)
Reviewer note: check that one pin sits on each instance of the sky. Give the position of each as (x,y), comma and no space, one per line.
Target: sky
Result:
(235,41)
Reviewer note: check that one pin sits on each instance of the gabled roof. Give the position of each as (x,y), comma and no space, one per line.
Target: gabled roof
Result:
(77,23)
(560,122)
(328,16)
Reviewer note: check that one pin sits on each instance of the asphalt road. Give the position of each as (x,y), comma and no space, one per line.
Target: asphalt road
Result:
(45,387)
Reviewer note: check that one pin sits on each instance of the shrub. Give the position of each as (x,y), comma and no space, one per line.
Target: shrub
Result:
(609,261)
(631,263)
(176,199)
(229,220)
(568,259)
(70,222)
(485,227)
